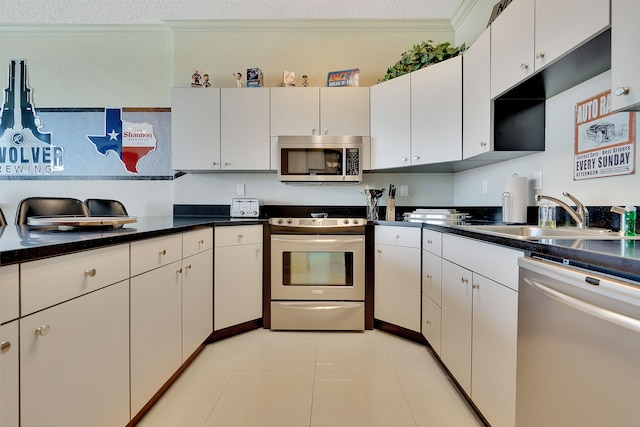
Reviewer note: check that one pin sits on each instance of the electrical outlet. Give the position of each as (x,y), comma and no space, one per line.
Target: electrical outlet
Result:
(537,178)
(404,190)
(240,189)
(485,186)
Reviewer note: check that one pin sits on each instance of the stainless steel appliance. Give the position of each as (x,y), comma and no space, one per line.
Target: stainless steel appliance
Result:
(245,207)
(317,273)
(320,158)
(578,347)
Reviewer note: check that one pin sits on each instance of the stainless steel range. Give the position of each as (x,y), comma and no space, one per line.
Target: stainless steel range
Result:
(317,273)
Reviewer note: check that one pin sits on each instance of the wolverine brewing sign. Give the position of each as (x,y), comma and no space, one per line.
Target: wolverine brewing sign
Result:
(605,141)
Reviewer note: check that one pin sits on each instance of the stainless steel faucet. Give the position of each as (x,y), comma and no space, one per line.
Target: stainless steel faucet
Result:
(580,215)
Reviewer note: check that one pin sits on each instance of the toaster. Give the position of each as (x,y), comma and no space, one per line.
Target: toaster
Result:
(245,207)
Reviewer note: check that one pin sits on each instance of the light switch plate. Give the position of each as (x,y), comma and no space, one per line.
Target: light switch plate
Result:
(537,178)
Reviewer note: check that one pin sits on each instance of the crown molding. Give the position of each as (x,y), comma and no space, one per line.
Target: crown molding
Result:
(311,25)
(84,29)
(461,13)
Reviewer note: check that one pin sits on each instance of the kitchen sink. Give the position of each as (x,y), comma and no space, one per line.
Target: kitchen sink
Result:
(532,232)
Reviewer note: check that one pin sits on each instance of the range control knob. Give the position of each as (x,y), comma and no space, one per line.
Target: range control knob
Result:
(279,221)
(346,221)
(356,222)
(289,221)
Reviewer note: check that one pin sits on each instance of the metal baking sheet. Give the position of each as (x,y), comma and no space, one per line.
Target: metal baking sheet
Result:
(69,222)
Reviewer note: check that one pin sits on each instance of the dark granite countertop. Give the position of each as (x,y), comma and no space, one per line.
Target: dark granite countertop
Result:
(23,243)
(617,257)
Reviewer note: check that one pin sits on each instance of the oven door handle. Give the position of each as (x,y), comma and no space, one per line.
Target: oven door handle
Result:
(293,306)
(314,241)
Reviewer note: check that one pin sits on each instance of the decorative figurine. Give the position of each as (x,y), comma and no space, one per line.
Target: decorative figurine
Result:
(195,79)
(206,82)
(289,78)
(238,77)
(305,80)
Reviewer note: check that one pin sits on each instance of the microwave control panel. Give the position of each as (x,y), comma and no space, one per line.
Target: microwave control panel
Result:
(352,161)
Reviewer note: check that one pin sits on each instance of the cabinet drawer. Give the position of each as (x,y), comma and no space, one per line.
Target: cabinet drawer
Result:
(53,280)
(492,261)
(432,241)
(397,236)
(196,241)
(432,276)
(153,253)
(238,235)
(9,293)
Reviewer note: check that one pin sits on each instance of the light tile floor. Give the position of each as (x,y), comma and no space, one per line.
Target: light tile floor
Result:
(319,379)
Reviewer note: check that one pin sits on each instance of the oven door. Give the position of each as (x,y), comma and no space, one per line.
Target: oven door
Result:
(317,267)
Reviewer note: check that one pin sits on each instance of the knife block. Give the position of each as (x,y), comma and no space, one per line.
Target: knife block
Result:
(391,210)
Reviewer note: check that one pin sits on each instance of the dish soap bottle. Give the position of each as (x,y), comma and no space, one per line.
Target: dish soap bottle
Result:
(628,225)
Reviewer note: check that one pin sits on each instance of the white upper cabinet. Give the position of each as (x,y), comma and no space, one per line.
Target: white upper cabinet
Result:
(320,111)
(391,123)
(245,138)
(512,46)
(344,111)
(195,129)
(625,61)
(295,111)
(564,25)
(436,113)
(530,34)
(476,97)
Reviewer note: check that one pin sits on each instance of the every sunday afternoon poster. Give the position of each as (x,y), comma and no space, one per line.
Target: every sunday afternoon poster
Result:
(604,141)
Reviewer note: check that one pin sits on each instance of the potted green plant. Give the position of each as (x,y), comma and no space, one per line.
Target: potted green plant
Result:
(420,56)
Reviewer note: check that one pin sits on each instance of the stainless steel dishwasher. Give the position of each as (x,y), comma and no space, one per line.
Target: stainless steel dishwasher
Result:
(578,347)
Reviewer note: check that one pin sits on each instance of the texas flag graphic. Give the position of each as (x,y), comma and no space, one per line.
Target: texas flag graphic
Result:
(130,141)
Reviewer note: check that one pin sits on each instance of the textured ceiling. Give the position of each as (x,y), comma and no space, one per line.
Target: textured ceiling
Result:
(154,11)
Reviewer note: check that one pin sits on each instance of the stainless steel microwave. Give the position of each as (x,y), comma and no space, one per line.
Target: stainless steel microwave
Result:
(320,158)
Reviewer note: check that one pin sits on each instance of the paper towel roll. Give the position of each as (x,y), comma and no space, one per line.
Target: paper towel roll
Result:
(514,200)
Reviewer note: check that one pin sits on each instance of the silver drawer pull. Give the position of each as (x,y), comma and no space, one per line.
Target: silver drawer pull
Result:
(5,347)
(464,280)
(189,267)
(43,331)
(90,272)
(201,242)
(240,236)
(163,252)
(429,276)
(475,286)
(179,271)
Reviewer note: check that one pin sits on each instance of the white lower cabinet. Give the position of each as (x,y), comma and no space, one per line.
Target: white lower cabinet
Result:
(479,323)
(397,296)
(74,362)
(9,374)
(156,319)
(237,275)
(431,322)
(197,301)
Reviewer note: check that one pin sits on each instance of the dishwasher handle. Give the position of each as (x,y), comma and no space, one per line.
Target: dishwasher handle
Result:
(601,313)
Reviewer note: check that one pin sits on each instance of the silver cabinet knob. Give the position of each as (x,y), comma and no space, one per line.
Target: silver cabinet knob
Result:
(429,276)
(416,157)
(524,66)
(90,273)
(464,280)
(189,267)
(179,271)
(313,131)
(215,163)
(404,159)
(379,251)
(201,242)
(475,286)
(483,144)
(43,330)
(163,252)
(5,347)
(326,131)
(622,90)
(539,55)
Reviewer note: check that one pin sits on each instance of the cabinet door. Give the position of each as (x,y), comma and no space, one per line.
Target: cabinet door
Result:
(74,362)
(512,46)
(237,285)
(156,318)
(625,62)
(391,123)
(455,342)
(344,111)
(245,137)
(561,26)
(436,113)
(432,276)
(195,129)
(431,322)
(397,286)
(9,293)
(197,301)
(9,374)
(493,365)
(295,111)
(476,97)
